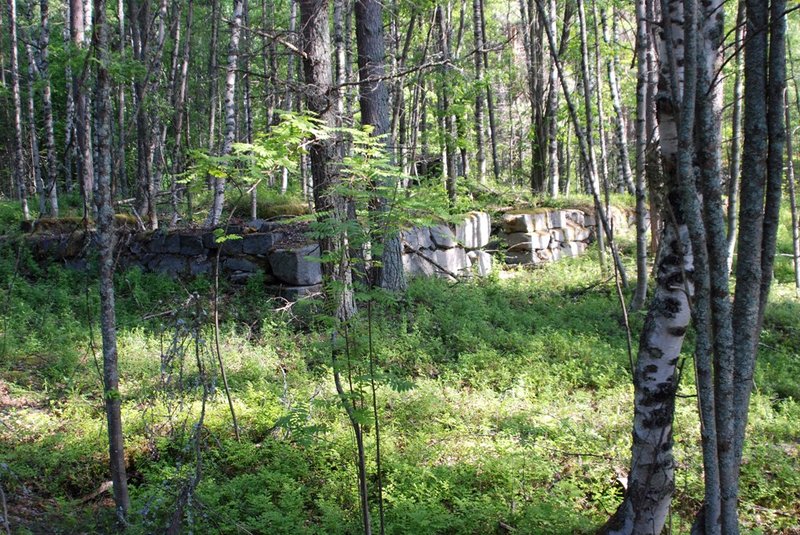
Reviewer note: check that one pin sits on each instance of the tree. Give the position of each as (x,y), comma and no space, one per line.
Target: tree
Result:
(105,239)
(726,332)
(230,111)
(19,175)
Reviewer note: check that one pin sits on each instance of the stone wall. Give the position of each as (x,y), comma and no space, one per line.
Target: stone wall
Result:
(290,263)
(538,236)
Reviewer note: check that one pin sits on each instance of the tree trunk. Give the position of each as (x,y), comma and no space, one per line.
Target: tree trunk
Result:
(33,134)
(218,203)
(213,84)
(105,238)
(790,180)
(47,107)
(736,144)
(180,111)
(651,479)
(82,123)
(613,84)
(19,173)
(551,115)
(642,44)
(490,101)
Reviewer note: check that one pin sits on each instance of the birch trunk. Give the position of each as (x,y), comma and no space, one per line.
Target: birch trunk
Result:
(218,203)
(51,186)
(651,480)
(19,173)
(790,180)
(33,134)
(613,84)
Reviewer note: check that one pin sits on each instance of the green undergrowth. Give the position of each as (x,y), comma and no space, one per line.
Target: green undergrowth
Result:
(504,403)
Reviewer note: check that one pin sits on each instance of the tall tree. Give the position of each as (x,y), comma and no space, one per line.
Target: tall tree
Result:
(218,203)
(19,172)
(105,238)
(51,186)
(374,101)
(82,122)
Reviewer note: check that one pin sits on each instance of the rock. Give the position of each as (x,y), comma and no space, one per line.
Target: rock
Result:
(577,217)
(191,245)
(443,236)
(474,232)
(240,264)
(558,218)
(523,258)
(259,243)
(232,244)
(528,241)
(200,266)
(264,226)
(453,260)
(417,238)
(481,262)
(572,249)
(525,222)
(416,266)
(589,220)
(172,265)
(165,242)
(293,267)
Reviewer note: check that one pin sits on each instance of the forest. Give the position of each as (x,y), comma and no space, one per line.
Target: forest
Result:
(405,267)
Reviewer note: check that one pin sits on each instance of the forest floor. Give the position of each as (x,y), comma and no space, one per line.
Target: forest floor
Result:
(504,405)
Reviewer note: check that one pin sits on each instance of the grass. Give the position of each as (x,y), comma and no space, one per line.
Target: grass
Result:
(502,401)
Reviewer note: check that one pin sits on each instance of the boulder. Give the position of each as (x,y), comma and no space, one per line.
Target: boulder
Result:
(523,258)
(474,232)
(298,267)
(443,236)
(165,242)
(557,218)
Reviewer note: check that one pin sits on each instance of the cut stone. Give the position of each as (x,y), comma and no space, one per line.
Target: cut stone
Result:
(298,267)
(528,241)
(443,236)
(475,231)
(259,243)
(481,262)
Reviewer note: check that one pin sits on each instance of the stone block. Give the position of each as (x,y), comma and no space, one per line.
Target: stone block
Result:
(443,236)
(417,238)
(528,241)
(200,266)
(240,264)
(577,217)
(523,258)
(168,264)
(416,266)
(297,267)
(474,231)
(525,222)
(165,242)
(259,243)
(572,249)
(191,245)
(558,218)
(453,260)
(481,262)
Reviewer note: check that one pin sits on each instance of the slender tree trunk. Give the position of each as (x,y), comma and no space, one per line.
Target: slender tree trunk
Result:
(551,115)
(51,186)
(120,179)
(82,123)
(180,110)
(736,144)
(490,101)
(449,141)
(642,44)
(601,117)
(230,111)
(213,85)
(19,172)
(33,133)
(611,67)
(105,238)
(790,180)
(479,93)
